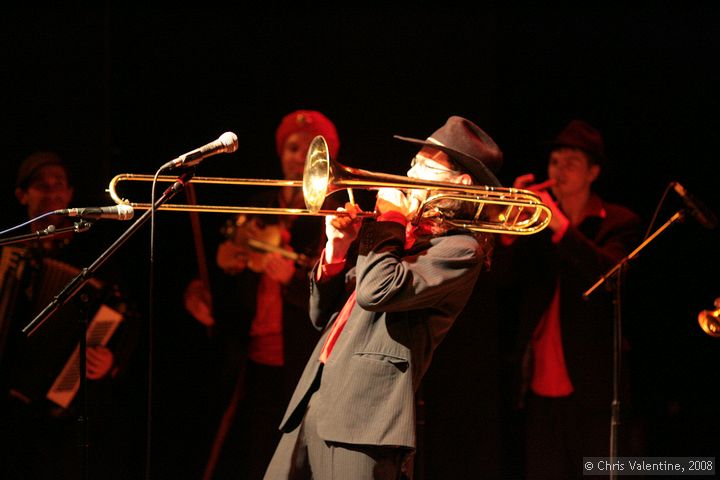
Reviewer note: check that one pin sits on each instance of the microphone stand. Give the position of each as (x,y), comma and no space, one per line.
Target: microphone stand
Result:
(72,288)
(616,272)
(76,284)
(50,232)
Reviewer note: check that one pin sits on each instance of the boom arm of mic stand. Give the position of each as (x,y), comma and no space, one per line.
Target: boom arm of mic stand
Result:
(74,286)
(679,216)
(50,232)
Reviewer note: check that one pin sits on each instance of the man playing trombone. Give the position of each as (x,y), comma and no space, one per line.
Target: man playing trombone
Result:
(384,293)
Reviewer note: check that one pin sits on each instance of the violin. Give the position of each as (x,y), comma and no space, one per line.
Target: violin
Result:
(259,240)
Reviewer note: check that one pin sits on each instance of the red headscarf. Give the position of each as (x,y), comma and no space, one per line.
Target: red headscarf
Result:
(310,121)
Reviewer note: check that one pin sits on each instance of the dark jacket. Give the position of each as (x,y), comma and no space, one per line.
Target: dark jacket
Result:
(584,253)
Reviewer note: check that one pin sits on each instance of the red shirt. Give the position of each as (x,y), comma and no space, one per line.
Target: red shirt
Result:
(550,377)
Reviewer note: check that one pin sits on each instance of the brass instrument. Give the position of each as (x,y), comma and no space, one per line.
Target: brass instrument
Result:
(496,209)
(709,320)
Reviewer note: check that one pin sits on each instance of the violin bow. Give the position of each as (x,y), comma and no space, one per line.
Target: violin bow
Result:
(199,244)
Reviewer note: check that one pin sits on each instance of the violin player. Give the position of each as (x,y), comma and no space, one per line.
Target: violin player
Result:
(259,310)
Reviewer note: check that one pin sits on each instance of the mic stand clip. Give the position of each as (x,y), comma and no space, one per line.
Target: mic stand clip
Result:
(50,231)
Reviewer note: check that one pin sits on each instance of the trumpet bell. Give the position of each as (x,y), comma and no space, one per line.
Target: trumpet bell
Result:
(709,320)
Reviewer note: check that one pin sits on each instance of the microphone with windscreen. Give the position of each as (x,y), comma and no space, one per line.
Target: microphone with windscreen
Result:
(226,143)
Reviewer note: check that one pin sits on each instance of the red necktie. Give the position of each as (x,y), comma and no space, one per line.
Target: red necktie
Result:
(337,327)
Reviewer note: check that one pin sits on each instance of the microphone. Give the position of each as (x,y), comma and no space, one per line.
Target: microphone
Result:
(227,143)
(116,212)
(702,214)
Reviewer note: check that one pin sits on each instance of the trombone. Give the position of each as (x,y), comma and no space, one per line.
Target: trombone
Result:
(494,209)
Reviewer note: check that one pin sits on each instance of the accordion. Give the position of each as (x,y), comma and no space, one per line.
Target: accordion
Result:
(47,363)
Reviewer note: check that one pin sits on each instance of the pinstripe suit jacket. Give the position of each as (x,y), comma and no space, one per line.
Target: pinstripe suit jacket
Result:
(406,302)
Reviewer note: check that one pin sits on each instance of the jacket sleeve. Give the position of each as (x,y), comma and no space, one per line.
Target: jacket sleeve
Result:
(389,279)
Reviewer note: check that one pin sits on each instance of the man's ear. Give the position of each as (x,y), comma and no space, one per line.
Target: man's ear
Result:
(595,171)
(21,196)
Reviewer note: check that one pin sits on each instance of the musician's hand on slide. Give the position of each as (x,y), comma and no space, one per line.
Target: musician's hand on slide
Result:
(279,268)
(341,231)
(231,258)
(99,361)
(198,302)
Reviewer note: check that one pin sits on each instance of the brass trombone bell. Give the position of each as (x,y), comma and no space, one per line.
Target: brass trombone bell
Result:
(496,209)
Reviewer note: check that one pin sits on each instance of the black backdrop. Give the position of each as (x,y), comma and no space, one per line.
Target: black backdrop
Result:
(118,89)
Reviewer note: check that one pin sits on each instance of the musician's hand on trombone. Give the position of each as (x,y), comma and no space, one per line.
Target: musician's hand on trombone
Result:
(341,231)
(197,302)
(99,361)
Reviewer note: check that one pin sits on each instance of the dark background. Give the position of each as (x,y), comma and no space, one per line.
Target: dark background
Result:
(119,89)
